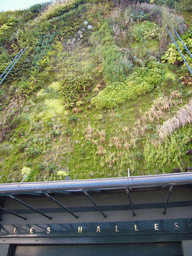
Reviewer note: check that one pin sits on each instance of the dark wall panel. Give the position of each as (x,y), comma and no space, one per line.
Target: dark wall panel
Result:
(145,249)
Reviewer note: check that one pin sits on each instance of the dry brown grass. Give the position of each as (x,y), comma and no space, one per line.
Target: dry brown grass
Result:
(89,134)
(102,134)
(100,150)
(117,142)
(8,114)
(160,105)
(182,118)
(157,111)
(126,129)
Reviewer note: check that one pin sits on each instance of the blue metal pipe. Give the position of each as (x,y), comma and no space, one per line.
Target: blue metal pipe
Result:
(11,62)
(183,43)
(110,183)
(179,51)
(13,66)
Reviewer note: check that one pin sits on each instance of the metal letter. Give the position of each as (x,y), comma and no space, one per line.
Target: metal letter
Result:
(98,229)
(31,230)
(136,229)
(156,226)
(14,230)
(176,225)
(116,229)
(48,230)
(80,229)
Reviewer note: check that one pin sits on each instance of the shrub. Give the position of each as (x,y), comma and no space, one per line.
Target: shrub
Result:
(141,81)
(26,172)
(37,8)
(5,149)
(114,64)
(183,5)
(32,152)
(73,85)
(73,119)
(169,3)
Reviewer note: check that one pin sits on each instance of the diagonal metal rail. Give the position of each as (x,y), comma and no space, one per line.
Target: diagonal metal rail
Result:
(130,202)
(179,50)
(183,43)
(27,205)
(86,193)
(13,65)
(168,196)
(8,211)
(53,199)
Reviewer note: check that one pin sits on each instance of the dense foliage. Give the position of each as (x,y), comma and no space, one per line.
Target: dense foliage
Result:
(173,56)
(141,81)
(97,91)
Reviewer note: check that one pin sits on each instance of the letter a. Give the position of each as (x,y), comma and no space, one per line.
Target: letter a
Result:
(98,229)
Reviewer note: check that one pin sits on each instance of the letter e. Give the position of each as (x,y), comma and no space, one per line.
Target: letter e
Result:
(156,226)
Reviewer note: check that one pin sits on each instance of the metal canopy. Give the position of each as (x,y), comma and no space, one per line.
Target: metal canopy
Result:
(87,187)
(137,182)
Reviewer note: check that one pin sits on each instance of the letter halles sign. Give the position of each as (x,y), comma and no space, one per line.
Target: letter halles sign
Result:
(97,229)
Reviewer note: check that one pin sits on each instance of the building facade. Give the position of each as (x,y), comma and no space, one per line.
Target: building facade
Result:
(144,215)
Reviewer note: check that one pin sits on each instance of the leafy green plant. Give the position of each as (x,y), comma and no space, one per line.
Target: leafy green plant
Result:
(32,152)
(26,172)
(183,5)
(173,56)
(5,149)
(41,167)
(73,86)
(169,3)
(138,15)
(73,119)
(37,8)
(141,81)
(68,132)
(114,65)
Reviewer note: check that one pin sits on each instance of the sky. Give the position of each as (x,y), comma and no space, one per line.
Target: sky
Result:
(13,5)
